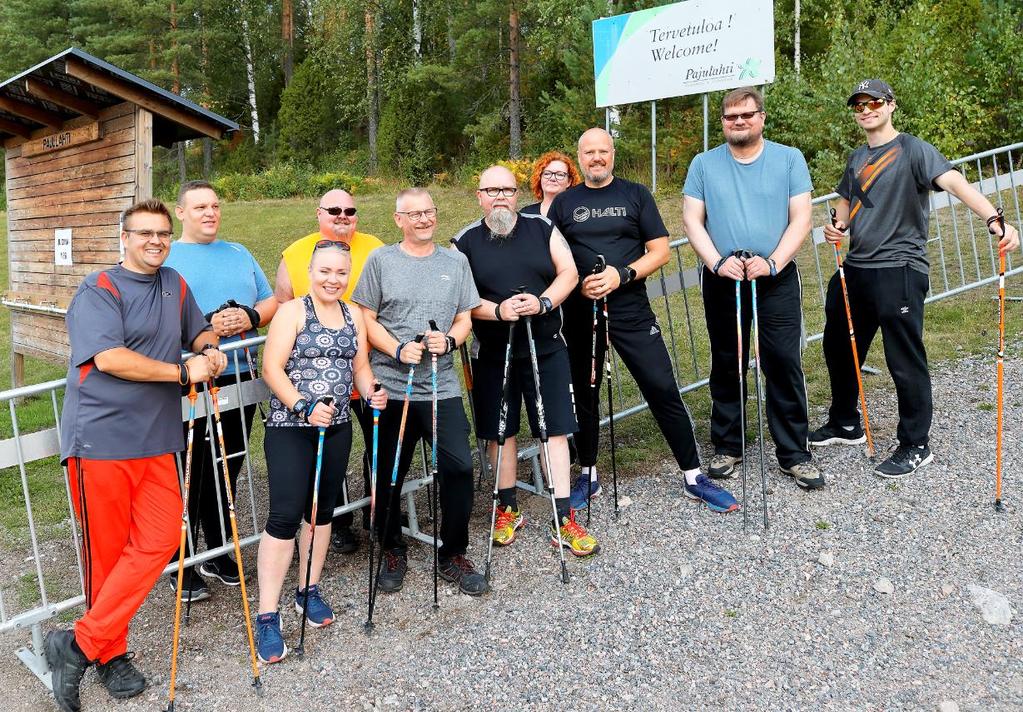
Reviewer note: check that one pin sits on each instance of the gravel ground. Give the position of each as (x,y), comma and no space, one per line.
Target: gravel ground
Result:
(680,610)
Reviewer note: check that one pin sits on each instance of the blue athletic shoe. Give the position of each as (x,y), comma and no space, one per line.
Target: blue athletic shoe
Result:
(717,498)
(579,497)
(269,641)
(319,613)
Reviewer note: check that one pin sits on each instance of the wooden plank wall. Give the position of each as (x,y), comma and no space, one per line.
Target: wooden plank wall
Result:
(84,188)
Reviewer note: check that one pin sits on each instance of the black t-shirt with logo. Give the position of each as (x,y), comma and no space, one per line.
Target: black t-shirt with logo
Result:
(500,265)
(615,221)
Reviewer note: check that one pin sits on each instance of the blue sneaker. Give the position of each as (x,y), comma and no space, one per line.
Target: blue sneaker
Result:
(319,613)
(270,645)
(717,498)
(579,497)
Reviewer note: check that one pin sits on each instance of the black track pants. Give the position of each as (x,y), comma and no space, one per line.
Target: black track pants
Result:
(892,300)
(454,465)
(206,481)
(780,317)
(636,337)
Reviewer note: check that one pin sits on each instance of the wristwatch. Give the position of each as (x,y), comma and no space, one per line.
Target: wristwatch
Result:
(545,305)
(300,407)
(626,274)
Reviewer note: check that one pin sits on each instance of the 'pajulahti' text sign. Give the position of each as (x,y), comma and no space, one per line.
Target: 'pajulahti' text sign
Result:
(686,48)
(61,140)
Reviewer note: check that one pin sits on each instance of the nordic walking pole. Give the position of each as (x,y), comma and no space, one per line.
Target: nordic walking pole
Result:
(543,441)
(502,427)
(433,474)
(181,546)
(852,339)
(368,625)
(392,498)
(599,267)
(760,411)
(198,501)
(742,389)
(213,390)
(321,431)
(610,402)
(999,507)
(463,353)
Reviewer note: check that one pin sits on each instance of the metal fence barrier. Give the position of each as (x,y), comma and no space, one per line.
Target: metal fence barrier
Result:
(963,257)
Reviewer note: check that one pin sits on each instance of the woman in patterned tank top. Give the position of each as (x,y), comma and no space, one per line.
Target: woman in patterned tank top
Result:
(316,350)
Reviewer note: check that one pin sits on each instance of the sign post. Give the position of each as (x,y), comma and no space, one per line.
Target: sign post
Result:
(692,47)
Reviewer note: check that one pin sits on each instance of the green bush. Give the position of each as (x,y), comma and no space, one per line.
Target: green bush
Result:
(283,181)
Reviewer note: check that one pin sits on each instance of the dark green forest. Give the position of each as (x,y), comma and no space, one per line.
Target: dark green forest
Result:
(424,91)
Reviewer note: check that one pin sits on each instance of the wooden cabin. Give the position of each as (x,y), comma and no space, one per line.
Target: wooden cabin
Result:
(78,134)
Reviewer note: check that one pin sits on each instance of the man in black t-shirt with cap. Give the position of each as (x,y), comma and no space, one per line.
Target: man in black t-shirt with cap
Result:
(617,219)
(884,206)
(508,251)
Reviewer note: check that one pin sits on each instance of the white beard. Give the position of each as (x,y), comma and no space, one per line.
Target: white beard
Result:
(501,221)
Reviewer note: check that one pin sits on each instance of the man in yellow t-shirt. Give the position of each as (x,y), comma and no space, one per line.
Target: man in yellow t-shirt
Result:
(336,214)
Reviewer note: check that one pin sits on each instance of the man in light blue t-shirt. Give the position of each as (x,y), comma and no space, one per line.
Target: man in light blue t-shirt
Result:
(217,273)
(746,212)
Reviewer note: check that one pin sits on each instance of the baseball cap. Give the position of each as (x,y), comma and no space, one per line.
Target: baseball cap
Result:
(872,87)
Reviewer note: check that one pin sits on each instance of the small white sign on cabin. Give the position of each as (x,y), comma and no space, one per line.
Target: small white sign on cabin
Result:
(62,247)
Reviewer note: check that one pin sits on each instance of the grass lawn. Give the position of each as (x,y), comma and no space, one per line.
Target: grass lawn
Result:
(966,324)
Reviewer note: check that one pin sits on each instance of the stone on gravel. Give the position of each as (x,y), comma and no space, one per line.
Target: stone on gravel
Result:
(826,559)
(884,585)
(993,605)
(948,706)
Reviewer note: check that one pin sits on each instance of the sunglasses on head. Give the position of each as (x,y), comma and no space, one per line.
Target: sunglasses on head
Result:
(349,212)
(332,243)
(873,104)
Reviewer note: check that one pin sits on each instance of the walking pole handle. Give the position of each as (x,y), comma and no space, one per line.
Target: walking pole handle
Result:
(433,325)
(600,265)
(834,221)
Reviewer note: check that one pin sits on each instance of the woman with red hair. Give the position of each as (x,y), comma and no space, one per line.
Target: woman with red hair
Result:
(553,173)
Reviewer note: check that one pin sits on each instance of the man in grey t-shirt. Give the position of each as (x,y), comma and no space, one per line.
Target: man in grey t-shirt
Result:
(884,206)
(402,288)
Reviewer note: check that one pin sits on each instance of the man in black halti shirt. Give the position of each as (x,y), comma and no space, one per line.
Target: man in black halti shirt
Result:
(619,220)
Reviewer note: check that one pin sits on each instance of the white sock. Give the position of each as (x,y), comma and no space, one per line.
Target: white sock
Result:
(590,470)
(691,475)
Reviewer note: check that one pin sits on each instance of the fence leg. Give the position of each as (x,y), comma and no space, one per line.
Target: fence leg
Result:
(34,657)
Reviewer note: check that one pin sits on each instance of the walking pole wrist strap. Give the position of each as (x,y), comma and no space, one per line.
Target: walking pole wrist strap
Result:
(773,266)
(497,312)
(397,351)
(717,265)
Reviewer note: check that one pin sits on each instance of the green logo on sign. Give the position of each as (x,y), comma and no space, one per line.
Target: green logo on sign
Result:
(749,69)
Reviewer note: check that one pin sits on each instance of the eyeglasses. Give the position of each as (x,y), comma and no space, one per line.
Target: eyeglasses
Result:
(332,243)
(873,104)
(554,175)
(349,212)
(149,234)
(417,215)
(745,116)
(494,192)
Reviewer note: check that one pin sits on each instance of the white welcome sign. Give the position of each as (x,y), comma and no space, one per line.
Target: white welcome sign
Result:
(685,48)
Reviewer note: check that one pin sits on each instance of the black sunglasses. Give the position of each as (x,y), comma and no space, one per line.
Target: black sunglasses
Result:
(349,212)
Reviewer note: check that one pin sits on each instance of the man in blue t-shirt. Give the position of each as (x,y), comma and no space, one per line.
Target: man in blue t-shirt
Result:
(746,212)
(218,273)
(884,205)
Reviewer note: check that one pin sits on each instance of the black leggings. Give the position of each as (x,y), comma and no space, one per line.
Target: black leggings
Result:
(291,466)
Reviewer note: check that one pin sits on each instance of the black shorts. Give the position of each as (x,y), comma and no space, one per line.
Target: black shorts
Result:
(555,385)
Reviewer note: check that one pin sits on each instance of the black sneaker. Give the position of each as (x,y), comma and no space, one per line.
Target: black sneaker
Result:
(391,576)
(192,586)
(832,434)
(906,460)
(344,540)
(67,666)
(120,677)
(458,569)
(223,569)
